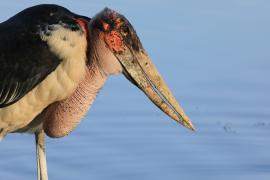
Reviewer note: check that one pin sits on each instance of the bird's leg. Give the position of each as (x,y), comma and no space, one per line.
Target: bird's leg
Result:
(41,155)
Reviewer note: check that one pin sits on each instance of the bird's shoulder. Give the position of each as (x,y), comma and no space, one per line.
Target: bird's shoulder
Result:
(25,60)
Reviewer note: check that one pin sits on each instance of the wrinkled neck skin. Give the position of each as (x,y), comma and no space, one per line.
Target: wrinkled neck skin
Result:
(62,117)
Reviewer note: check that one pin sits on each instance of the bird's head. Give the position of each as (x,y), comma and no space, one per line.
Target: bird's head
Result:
(118,50)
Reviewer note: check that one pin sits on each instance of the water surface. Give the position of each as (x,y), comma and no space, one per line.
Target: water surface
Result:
(215,57)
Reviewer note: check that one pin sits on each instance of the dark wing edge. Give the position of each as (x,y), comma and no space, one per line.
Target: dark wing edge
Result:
(25,61)
(12,89)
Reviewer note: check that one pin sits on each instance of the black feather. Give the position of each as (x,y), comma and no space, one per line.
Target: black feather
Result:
(26,60)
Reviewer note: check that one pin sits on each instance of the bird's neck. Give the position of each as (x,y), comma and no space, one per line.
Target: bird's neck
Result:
(62,117)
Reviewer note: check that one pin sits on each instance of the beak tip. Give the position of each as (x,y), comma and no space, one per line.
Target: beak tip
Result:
(193,129)
(186,122)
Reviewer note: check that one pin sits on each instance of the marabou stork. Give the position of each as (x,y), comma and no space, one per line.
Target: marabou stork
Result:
(53,64)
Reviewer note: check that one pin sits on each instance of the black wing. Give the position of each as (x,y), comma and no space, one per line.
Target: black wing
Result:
(25,60)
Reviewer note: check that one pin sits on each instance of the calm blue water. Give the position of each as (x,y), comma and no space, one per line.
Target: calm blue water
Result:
(215,57)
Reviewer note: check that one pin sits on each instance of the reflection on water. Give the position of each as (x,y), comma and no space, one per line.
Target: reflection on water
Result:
(215,58)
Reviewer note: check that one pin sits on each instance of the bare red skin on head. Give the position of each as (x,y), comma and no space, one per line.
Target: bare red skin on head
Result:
(114,41)
(112,38)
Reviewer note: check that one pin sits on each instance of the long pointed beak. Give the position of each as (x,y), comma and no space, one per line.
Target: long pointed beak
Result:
(139,69)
